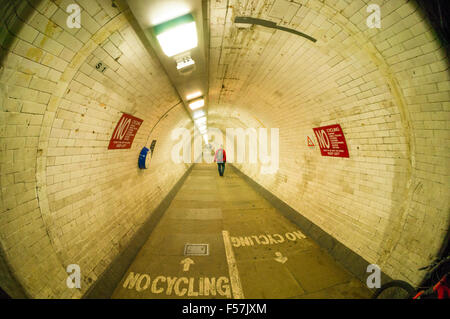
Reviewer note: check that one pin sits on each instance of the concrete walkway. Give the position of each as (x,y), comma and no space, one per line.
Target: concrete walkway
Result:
(252,252)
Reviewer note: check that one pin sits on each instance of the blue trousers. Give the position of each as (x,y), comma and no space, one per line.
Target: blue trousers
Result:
(221,167)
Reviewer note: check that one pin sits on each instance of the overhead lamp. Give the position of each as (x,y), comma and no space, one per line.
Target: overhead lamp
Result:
(200,121)
(167,10)
(177,35)
(198,114)
(196,104)
(193,95)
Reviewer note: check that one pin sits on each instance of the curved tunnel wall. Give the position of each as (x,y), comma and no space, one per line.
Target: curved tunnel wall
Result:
(389,90)
(66,199)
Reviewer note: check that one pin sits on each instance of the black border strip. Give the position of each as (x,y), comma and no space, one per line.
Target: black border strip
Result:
(350,260)
(107,282)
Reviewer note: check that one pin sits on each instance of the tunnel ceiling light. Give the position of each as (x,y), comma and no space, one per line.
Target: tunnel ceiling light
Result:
(193,95)
(201,121)
(177,35)
(163,11)
(196,104)
(198,114)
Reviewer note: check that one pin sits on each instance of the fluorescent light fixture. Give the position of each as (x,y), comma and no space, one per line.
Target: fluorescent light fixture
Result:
(193,95)
(200,121)
(162,11)
(177,35)
(205,137)
(198,114)
(197,104)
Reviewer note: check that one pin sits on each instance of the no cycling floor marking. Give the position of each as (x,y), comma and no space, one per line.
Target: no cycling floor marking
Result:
(190,286)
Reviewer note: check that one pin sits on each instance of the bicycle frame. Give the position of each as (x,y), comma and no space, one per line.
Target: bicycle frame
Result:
(441,288)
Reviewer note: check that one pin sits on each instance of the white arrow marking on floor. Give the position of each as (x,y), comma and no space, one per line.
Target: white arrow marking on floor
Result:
(186,262)
(280,258)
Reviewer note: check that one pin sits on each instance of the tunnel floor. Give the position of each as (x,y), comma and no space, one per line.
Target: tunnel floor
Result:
(253,251)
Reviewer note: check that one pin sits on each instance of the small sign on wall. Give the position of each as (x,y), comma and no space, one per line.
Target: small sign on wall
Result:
(101,67)
(152,146)
(124,133)
(331,141)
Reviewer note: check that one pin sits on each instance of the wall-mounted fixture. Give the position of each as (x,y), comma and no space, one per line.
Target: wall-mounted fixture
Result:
(152,147)
(270,24)
(144,158)
(184,60)
(185,65)
(177,36)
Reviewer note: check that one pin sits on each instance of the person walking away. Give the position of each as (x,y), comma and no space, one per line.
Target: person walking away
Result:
(220,158)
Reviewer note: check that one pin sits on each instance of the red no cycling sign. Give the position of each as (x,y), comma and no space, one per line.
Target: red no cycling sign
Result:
(331,141)
(125,131)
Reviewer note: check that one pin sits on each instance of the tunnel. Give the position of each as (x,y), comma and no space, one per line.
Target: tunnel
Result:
(334,116)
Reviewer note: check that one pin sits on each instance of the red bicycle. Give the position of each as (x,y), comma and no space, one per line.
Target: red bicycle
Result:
(436,284)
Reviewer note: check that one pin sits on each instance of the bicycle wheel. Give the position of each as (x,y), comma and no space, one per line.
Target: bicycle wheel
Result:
(396,289)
